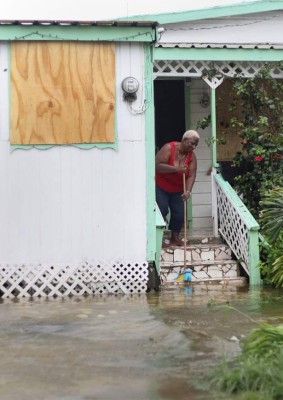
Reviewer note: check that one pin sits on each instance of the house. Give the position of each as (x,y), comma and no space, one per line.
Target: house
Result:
(73,154)
(84,107)
(195,51)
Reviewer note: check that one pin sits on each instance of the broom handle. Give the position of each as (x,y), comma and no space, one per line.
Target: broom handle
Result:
(185,222)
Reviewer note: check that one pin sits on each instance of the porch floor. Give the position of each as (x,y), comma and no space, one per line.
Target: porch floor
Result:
(196,235)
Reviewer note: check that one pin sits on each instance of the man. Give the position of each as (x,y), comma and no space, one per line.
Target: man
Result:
(172,161)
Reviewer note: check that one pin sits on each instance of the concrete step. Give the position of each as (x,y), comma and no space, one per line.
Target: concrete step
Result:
(194,239)
(212,286)
(202,271)
(197,252)
(209,259)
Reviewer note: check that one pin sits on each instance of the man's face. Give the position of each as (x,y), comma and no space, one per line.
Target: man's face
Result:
(190,144)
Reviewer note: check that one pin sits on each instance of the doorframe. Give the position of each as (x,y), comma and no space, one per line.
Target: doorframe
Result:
(187,100)
(187,119)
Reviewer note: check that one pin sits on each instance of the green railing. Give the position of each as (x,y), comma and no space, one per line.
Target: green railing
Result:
(238,227)
(160,226)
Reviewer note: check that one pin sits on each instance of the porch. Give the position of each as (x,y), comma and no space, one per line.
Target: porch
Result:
(228,255)
(216,209)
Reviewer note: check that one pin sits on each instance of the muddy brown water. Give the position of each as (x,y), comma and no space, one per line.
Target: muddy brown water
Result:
(155,346)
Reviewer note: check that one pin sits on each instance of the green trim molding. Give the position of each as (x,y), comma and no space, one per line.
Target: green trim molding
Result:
(83,146)
(220,54)
(150,157)
(82,33)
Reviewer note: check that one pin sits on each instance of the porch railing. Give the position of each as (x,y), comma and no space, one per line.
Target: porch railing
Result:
(237,226)
(160,226)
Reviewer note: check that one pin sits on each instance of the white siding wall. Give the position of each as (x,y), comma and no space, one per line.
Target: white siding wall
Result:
(67,205)
(201,209)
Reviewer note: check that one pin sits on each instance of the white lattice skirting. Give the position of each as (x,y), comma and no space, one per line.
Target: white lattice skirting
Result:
(67,280)
(246,69)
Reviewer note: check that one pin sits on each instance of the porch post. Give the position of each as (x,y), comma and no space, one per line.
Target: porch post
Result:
(253,247)
(213,160)
(214,203)
(213,126)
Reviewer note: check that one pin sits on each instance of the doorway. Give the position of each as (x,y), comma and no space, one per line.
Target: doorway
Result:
(169,103)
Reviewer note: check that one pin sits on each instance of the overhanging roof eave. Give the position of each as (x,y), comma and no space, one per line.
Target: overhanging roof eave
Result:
(211,12)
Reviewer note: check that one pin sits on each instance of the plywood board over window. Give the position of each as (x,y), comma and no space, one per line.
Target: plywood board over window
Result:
(227,133)
(62,92)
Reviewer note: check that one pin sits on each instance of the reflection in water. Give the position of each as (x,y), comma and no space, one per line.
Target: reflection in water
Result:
(138,347)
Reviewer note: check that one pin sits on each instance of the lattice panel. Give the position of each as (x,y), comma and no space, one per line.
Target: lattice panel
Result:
(38,280)
(213,81)
(233,228)
(197,68)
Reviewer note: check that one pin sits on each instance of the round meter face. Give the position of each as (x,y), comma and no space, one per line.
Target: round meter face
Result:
(130,85)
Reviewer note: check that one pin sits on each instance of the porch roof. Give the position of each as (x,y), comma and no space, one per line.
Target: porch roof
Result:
(105,23)
(108,30)
(241,8)
(261,46)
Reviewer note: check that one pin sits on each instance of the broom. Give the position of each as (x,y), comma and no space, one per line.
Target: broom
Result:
(186,274)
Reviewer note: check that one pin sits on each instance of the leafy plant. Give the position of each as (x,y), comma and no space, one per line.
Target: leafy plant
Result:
(204,122)
(277,272)
(272,214)
(260,126)
(257,373)
(272,225)
(270,271)
(264,341)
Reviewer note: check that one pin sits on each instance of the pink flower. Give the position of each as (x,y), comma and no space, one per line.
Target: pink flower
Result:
(277,156)
(258,158)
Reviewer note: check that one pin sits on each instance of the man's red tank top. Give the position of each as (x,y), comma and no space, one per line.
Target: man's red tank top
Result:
(172,182)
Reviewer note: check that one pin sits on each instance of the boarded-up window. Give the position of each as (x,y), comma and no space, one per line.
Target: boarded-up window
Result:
(62,92)
(225,132)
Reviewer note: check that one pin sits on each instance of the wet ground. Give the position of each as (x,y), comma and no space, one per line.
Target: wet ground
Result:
(155,346)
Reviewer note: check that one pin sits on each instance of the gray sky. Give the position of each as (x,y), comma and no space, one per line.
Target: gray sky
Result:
(98,9)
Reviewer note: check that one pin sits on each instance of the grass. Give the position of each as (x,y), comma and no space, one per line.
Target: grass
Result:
(257,374)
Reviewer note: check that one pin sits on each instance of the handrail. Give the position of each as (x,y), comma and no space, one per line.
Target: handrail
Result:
(237,202)
(159,221)
(160,226)
(238,227)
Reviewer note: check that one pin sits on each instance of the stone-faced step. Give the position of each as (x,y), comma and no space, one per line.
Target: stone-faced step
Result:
(209,270)
(213,286)
(194,239)
(209,252)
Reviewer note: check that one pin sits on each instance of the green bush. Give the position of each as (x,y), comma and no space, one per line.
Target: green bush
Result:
(258,372)
(272,225)
(260,126)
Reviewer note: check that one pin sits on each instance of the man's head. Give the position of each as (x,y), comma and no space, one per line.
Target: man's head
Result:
(191,135)
(190,140)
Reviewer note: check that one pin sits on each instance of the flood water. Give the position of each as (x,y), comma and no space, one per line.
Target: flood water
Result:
(155,346)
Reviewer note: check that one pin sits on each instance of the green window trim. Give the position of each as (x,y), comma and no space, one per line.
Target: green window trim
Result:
(83,146)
